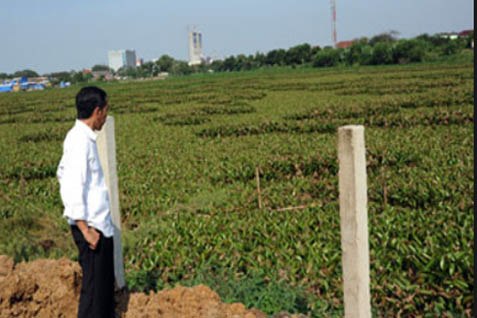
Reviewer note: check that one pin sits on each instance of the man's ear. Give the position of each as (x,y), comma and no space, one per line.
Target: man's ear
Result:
(96,111)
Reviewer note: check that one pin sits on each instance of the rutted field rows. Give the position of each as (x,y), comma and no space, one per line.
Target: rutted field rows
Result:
(188,152)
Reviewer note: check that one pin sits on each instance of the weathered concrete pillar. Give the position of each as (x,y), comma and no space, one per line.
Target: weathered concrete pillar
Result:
(354,221)
(106,144)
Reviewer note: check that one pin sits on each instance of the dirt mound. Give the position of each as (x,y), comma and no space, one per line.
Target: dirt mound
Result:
(50,289)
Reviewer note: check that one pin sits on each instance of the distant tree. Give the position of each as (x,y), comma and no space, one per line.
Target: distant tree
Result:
(4,76)
(360,53)
(25,73)
(181,68)
(366,57)
(382,53)
(271,57)
(141,72)
(239,62)
(217,66)
(413,50)
(469,39)
(462,43)
(362,40)
(275,57)
(327,57)
(148,69)
(436,42)
(78,77)
(165,63)
(61,76)
(100,68)
(253,63)
(243,63)
(314,50)
(229,64)
(281,53)
(200,68)
(451,48)
(299,54)
(259,59)
(88,77)
(425,37)
(353,54)
(388,37)
(128,72)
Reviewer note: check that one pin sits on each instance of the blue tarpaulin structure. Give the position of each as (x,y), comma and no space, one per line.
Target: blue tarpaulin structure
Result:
(6,86)
(38,86)
(32,85)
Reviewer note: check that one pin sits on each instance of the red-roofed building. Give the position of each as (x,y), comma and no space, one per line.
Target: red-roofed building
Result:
(466,32)
(344,44)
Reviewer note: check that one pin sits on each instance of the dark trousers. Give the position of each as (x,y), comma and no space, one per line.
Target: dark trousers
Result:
(97,289)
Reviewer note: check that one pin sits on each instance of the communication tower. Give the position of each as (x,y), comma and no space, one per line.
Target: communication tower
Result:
(333,21)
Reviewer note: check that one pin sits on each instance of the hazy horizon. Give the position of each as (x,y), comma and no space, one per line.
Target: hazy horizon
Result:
(62,36)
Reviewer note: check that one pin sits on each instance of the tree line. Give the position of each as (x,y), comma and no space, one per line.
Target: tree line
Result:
(384,48)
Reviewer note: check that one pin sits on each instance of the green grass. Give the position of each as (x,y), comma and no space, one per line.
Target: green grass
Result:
(188,149)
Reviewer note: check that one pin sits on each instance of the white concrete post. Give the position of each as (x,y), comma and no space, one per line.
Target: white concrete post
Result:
(106,144)
(354,221)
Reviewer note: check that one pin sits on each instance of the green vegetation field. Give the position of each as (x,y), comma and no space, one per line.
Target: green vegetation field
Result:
(188,149)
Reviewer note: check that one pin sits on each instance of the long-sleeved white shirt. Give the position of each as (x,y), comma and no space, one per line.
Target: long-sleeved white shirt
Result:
(82,186)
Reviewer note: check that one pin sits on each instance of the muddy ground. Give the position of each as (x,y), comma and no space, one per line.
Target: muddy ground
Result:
(49,288)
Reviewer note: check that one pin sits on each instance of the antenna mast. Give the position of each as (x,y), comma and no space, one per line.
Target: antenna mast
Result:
(333,21)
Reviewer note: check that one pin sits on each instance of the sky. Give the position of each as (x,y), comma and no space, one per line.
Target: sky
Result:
(63,35)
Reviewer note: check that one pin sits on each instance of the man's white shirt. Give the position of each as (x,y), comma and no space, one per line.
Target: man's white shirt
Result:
(82,186)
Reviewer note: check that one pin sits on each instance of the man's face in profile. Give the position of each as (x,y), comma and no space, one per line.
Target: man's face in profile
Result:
(100,117)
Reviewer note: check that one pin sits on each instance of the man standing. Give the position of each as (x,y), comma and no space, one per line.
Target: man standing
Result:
(86,201)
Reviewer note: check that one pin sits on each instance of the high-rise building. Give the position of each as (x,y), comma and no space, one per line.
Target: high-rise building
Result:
(195,47)
(121,59)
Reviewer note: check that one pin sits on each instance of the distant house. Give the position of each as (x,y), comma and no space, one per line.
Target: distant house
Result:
(105,74)
(451,35)
(344,44)
(465,33)
(455,36)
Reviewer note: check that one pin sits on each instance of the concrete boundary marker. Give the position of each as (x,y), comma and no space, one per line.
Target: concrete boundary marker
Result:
(106,144)
(354,221)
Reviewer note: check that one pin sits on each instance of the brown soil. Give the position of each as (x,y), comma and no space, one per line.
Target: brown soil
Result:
(48,288)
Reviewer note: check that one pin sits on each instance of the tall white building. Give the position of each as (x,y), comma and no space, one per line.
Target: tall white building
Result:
(195,47)
(121,59)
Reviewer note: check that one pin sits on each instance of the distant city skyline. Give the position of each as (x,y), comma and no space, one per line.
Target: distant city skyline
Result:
(52,36)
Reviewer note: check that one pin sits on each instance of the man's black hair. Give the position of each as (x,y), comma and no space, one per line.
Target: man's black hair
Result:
(87,99)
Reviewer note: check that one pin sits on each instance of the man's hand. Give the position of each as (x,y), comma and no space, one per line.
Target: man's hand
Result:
(89,233)
(92,237)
